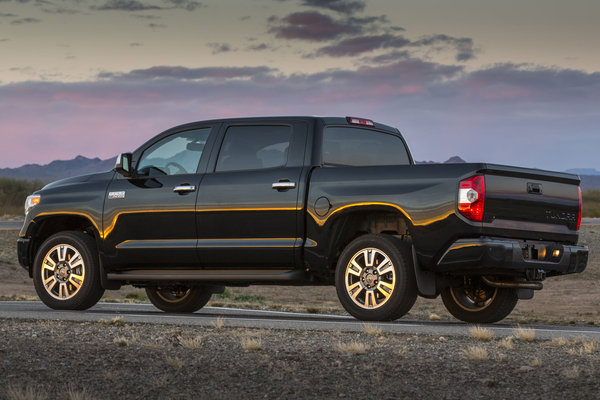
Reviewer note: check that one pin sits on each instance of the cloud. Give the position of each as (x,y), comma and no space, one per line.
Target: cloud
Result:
(342,6)
(218,48)
(358,45)
(135,5)
(4,39)
(258,47)
(25,21)
(317,27)
(186,4)
(7,15)
(519,114)
(183,73)
(126,5)
(463,46)
(135,44)
(61,11)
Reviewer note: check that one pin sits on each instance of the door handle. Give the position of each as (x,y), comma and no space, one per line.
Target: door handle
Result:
(283,185)
(184,189)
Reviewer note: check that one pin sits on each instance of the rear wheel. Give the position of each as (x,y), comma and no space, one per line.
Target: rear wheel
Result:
(374,279)
(179,299)
(66,273)
(476,302)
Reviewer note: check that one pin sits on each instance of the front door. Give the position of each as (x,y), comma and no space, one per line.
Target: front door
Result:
(149,219)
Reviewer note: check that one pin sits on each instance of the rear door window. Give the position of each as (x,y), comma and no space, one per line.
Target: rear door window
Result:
(346,146)
(254,147)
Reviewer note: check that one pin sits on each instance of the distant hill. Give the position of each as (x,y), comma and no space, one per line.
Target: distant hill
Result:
(59,169)
(583,171)
(80,165)
(451,160)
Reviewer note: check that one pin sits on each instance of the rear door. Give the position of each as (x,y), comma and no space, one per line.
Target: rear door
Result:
(149,219)
(248,203)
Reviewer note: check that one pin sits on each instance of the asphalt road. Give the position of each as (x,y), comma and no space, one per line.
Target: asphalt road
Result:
(4,225)
(233,317)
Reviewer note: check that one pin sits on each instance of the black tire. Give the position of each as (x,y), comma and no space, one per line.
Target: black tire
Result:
(393,288)
(476,302)
(179,299)
(75,260)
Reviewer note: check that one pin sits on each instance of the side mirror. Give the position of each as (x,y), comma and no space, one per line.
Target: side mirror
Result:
(123,164)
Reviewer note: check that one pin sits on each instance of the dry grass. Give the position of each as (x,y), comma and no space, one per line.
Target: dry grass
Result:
(116,321)
(559,342)
(401,351)
(482,334)
(218,324)
(507,343)
(190,343)
(14,392)
(525,334)
(351,347)
(535,363)
(122,341)
(74,394)
(251,343)
(174,362)
(572,372)
(476,353)
(589,347)
(370,329)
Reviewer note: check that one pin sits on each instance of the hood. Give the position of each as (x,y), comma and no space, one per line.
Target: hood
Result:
(79,179)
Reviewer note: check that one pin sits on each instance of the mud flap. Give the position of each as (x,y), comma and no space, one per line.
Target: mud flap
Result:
(425,279)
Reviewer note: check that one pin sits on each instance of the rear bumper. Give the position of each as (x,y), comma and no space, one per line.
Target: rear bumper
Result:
(24,252)
(504,255)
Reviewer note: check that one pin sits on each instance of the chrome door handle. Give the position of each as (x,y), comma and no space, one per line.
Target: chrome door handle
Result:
(283,185)
(184,189)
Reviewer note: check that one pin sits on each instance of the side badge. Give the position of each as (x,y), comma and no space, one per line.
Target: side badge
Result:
(116,195)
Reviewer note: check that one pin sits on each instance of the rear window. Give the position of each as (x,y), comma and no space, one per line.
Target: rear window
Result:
(362,147)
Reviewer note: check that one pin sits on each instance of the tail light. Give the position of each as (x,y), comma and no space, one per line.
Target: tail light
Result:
(471,198)
(579,212)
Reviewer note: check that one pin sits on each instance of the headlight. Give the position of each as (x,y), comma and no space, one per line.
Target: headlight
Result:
(31,202)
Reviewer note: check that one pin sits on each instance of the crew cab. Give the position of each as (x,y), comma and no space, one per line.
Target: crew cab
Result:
(302,201)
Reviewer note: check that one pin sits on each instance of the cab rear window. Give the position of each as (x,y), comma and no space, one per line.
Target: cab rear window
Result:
(347,146)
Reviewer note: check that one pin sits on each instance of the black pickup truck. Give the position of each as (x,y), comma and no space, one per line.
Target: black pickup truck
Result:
(302,201)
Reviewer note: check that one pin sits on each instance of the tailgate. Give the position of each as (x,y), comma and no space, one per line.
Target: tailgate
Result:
(532,196)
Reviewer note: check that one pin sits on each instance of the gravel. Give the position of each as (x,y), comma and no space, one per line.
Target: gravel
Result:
(111,359)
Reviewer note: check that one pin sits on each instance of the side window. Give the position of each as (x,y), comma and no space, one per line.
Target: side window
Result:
(362,147)
(174,155)
(254,147)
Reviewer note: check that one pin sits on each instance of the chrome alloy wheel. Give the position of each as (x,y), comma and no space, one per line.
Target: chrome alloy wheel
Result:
(173,295)
(474,298)
(370,278)
(63,272)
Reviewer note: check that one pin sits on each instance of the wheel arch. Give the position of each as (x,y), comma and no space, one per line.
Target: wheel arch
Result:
(350,223)
(47,226)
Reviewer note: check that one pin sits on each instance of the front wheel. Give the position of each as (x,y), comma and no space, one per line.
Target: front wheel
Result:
(66,273)
(374,278)
(179,299)
(476,302)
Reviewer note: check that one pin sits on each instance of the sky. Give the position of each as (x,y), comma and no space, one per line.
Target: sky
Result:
(508,82)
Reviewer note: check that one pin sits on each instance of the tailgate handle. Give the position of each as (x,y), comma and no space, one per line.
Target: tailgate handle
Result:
(534,188)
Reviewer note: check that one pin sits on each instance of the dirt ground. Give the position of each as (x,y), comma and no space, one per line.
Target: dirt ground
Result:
(573,299)
(114,360)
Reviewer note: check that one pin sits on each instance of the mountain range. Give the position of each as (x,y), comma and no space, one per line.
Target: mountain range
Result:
(80,165)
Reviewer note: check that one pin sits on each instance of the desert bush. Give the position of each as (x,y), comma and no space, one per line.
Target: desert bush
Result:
(590,207)
(13,193)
